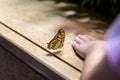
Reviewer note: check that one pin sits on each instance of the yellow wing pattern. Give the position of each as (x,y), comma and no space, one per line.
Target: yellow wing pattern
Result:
(58,40)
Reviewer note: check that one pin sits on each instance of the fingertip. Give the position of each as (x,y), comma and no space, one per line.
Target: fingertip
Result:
(75,44)
(76,38)
(79,35)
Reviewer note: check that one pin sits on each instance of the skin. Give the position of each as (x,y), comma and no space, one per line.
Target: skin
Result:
(96,65)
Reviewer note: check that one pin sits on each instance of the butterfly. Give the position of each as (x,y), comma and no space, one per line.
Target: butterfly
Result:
(58,40)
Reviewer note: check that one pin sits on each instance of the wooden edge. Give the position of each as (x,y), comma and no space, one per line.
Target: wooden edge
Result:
(19,46)
(29,60)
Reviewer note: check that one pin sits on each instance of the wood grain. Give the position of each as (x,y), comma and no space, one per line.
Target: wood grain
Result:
(31,24)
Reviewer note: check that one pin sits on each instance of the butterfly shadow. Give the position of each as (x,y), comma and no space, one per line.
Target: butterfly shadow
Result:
(53,53)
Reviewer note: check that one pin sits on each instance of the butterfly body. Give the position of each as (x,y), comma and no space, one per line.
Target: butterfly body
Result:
(57,41)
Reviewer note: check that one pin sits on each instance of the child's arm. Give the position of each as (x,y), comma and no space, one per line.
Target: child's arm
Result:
(96,66)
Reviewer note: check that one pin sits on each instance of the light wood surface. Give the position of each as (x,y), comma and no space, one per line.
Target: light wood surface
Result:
(31,24)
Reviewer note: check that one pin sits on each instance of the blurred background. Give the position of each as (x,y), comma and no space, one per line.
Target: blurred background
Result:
(107,7)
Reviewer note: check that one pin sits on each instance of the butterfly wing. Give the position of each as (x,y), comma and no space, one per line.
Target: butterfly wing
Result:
(58,40)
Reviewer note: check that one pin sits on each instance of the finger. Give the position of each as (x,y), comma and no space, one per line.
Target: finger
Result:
(77,48)
(75,44)
(78,40)
(83,37)
(91,38)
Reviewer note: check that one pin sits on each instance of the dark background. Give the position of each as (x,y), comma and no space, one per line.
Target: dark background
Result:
(109,8)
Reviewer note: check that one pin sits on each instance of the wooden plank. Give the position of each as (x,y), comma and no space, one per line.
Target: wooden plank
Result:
(32,24)
(35,64)
(40,55)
